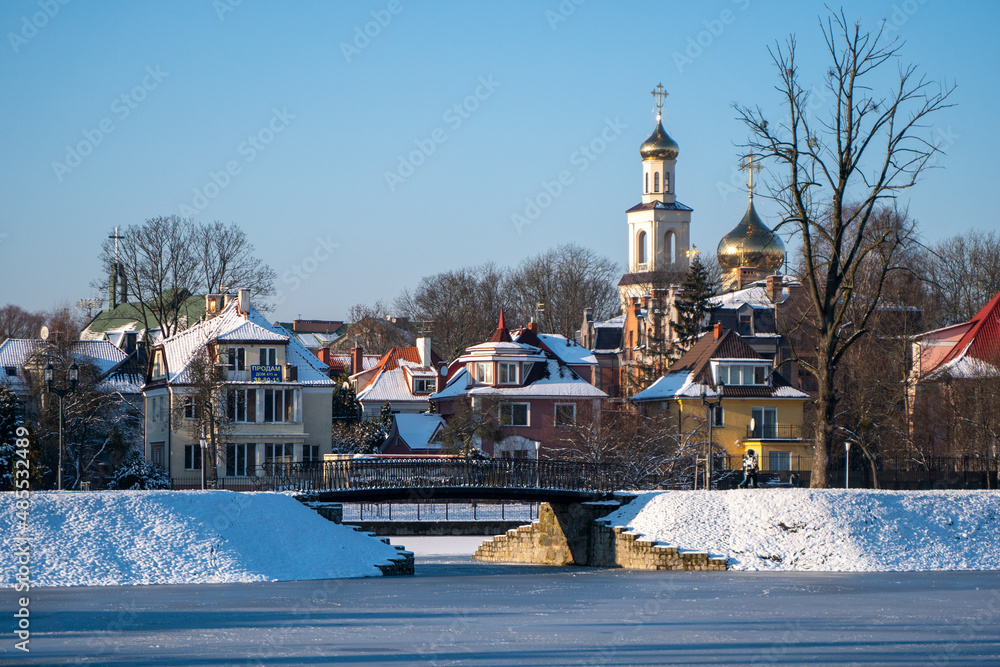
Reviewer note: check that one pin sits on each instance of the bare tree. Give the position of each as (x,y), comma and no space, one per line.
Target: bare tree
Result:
(461,307)
(374,330)
(15,322)
(836,173)
(963,273)
(555,286)
(206,408)
(228,262)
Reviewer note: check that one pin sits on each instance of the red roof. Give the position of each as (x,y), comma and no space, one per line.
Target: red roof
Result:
(390,360)
(982,340)
(501,335)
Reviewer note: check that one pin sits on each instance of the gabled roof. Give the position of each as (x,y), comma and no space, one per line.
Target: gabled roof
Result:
(104,356)
(982,340)
(693,370)
(231,325)
(128,317)
(418,431)
(389,383)
(551,378)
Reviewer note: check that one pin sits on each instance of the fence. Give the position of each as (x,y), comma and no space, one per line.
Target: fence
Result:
(441,511)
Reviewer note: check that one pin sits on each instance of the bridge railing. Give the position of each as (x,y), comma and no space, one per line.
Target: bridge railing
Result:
(366,474)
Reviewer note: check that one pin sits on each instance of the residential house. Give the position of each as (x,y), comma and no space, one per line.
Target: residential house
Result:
(534,395)
(404,377)
(276,395)
(757,409)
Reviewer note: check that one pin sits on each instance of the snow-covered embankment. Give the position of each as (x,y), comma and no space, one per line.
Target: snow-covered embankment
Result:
(174,537)
(826,530)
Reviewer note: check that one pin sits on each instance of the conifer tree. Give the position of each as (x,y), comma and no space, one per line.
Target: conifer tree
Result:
(693,305)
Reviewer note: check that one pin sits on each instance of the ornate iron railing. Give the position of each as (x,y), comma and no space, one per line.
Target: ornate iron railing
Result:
(367,474)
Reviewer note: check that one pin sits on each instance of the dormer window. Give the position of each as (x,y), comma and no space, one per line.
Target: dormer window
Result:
(424,385)
(508,372)
(742,374)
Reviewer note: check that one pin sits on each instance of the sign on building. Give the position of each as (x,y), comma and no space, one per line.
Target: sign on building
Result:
(265,373)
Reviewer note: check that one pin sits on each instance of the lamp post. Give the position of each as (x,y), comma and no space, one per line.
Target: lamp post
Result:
(710,406)
(61,392)
(203,445)
(847,464)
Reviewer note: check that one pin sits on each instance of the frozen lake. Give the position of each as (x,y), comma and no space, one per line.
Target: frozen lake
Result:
(457,612)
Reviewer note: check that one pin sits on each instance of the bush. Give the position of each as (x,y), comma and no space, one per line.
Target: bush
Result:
(135,474)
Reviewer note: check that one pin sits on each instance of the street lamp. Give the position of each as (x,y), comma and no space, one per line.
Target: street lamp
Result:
(710,406)
(61,392)
(847,464)
(203,445)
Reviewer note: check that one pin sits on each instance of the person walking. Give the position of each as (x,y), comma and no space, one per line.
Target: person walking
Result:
(750,467)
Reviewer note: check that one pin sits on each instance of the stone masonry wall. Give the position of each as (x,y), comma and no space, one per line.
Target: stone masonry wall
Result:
(576,534)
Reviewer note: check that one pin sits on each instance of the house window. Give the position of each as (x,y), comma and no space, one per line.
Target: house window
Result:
(279,405)
(241,460)
(718,417)
(765,422)
(279,452)
(241,405)
(514,414)
(746,325)
(484,373)
(192,457)
(158,364)
(424,385)
(565,414)
(268,356)
(310,454)
(156,456)
(508,372)
(733,374)
(237,359)
(152,409)
(189,409)
(779,460)
(11,371)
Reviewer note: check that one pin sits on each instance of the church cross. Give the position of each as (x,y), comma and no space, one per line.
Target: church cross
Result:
(659,96)
(117,238)
(751,166)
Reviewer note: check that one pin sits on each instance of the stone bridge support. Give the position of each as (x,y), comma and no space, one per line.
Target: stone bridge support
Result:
(577,534)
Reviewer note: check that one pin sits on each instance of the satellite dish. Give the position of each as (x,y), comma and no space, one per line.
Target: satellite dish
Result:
(753,425)
(44,333)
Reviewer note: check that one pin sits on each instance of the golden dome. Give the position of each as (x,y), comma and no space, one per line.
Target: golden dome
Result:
(659,146)
(751,243)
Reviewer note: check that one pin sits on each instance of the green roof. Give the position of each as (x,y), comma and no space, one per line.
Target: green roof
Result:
(128,313)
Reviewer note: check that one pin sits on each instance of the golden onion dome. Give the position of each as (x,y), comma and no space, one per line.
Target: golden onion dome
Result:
(752,244)
(659,146)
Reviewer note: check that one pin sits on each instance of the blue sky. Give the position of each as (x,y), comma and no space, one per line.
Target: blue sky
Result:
(286,119)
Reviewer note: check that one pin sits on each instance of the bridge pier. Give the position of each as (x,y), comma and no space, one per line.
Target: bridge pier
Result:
(578,534)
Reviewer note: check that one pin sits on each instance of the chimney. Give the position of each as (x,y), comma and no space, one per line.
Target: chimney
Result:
(718,330)
(747,276)
(533,326)
(424,349)
(324,355)
(588,314)
(213,305)
(244,298)
(774,288)
(357,359)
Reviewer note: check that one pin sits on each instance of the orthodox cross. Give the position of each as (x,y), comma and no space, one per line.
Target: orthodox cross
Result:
(750,165)
(659,96)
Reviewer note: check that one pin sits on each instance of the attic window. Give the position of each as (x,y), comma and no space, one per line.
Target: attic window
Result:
(11,371)
(424,385)
(739,374)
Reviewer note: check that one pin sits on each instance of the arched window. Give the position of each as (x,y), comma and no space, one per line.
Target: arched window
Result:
(666,181)
(669,249)
(641,248)
(647,182)
(656,181)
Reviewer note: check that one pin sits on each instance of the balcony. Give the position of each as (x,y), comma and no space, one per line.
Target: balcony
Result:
(774,432)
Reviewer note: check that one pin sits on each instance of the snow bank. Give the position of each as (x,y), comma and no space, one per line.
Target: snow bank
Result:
(826,530)
(182,537)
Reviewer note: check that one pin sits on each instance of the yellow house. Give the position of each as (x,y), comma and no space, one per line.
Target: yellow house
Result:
(751,405)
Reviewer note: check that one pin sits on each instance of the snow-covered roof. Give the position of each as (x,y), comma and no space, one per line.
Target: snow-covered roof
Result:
(555,380)
(15,353)
(417,430)
(965,367)
(391,386)
(568,350)
(231,324)
(671,385)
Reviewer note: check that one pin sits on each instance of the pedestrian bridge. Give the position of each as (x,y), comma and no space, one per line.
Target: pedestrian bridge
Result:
(371,480)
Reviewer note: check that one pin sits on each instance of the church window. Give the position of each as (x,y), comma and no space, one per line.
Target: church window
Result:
(647,182)
(666,181)
(669,248)
(641,250)
(656,181)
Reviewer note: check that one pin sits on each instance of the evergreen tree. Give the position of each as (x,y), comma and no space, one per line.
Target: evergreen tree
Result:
(346,408)
(135,474)
(8,433)
(693,305)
